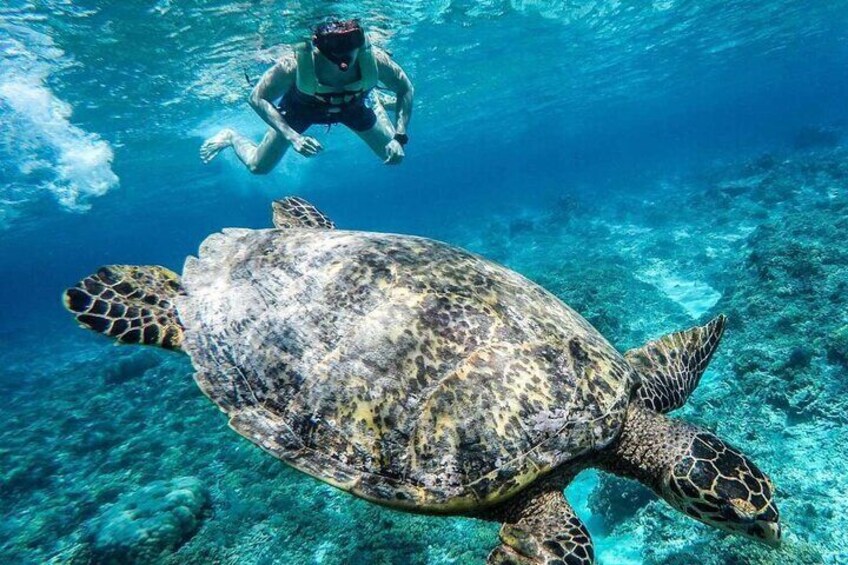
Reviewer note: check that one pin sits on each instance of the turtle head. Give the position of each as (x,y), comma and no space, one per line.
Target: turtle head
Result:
(716,484)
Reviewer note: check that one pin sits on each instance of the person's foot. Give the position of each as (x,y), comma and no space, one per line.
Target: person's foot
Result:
(212,146)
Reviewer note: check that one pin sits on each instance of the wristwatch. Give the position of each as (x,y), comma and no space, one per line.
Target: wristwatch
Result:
(401,138)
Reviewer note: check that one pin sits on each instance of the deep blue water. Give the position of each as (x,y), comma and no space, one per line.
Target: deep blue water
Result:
(520,106)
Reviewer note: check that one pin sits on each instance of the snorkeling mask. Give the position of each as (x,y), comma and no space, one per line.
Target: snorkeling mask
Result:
(336,41)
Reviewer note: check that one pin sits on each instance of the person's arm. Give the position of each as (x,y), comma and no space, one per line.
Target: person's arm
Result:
(273,84)
(391,75)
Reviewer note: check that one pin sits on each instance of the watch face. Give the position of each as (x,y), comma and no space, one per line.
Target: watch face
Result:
(402,138)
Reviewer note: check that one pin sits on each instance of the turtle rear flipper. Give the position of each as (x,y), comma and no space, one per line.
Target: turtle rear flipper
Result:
(132,304)
(541,528)
(671,367)
(294,212)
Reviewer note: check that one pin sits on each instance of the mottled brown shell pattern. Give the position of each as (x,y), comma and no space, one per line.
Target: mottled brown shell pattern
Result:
(406,371)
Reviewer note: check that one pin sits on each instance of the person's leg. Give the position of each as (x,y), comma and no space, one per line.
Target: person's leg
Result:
(379,134)
(259,159)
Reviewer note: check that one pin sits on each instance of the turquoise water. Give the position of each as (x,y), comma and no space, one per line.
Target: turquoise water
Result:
(653,164)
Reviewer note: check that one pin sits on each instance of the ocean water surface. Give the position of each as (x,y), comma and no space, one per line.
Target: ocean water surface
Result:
(653,164)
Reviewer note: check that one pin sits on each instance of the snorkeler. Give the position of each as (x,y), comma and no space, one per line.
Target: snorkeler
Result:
(327,81)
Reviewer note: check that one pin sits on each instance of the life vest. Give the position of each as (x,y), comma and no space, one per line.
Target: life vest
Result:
(307,82)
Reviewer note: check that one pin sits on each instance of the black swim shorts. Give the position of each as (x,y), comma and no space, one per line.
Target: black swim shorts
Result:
(301,111)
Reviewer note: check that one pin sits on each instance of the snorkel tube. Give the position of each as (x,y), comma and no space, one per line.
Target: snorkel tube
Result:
(336,40)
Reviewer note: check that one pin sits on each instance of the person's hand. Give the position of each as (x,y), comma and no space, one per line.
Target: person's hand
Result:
(394,153)
(306,146)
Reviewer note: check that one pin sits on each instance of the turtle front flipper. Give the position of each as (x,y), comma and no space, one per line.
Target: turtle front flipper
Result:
(294,212)
(541,528)
(132,304)
(671,367)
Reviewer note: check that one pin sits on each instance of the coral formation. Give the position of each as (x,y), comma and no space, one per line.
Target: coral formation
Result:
(145,525)
(837,346)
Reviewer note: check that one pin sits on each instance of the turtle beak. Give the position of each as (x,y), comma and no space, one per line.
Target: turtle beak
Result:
(766,532)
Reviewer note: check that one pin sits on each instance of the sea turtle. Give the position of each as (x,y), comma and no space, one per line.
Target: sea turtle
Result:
(425,378)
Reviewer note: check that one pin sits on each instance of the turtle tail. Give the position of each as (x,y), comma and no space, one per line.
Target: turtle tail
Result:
(132,304)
